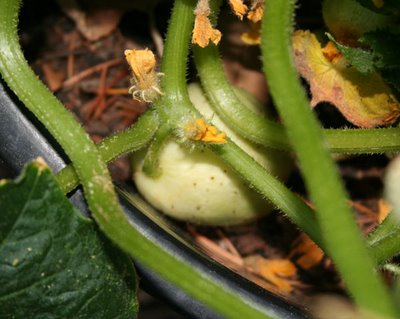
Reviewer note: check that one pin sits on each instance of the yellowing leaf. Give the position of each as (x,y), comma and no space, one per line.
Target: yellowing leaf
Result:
(365,100)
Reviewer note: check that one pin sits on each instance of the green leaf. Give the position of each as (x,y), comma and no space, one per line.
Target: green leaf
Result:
(361,59)
(385,46)
(381,55)
(53,262)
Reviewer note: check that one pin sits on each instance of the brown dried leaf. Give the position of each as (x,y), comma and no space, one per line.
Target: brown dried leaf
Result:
(54,77)
(365,100)
(95,23)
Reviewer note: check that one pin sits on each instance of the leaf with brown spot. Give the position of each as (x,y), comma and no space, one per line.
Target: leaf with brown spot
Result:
(365,100)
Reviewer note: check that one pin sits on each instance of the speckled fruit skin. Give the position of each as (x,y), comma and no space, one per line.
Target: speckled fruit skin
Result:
(196,186)
(348,20)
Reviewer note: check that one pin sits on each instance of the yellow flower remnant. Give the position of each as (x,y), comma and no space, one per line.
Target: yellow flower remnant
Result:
(254,15)
(203,31)
(145,80)
(200,130)
(253,36)
(238,8)
(331,52)
(256,11)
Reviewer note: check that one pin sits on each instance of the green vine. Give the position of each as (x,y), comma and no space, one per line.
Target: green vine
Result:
(335,218)
(133,139)
(266,132)
(104,205)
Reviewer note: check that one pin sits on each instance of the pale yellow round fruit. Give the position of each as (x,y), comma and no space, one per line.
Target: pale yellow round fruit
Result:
(197,186)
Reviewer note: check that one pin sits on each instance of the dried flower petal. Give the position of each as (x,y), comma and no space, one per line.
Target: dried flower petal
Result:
(238,7)
(256,11)
(142,62)
(145,80)
(200,130)
(203,31)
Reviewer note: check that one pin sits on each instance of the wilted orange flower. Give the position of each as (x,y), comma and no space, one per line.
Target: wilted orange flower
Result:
(256,11)
(203,31)
(238,7)
(145,80)
(200,130)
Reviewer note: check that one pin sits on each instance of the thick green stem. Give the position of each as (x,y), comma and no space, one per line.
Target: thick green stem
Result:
(272,189)
(175,105)
(175,90)
(151,166)
(266,132)
(97,186)
(132,139)
(92,171)
(384,242)
(342,238)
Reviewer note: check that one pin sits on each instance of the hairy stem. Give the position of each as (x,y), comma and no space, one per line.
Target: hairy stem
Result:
(132,139)
(326,190)
(266,132)
(93,173)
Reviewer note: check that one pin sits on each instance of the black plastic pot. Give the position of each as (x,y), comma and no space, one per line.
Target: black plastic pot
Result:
(23,139)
